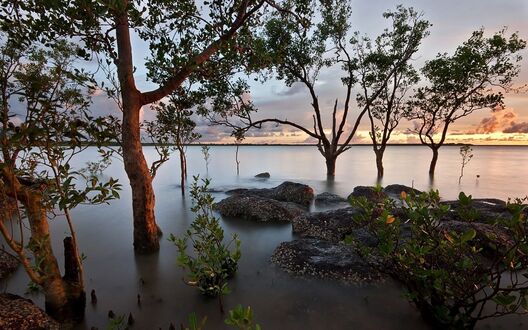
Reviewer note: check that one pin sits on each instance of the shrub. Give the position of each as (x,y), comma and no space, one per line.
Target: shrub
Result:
(445,272)
(241,318)
(213,261)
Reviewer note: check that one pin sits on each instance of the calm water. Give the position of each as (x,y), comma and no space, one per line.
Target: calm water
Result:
(278,300)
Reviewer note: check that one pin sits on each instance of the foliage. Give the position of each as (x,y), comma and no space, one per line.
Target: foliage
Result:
(380,72)
(471,79)
(117,323)
(188,41)
(298,51)
(444,271)
(465,209)
(173,128)
(213,261)
(45,124)
(194,324)
(241,318)
(32,288)
(466,153)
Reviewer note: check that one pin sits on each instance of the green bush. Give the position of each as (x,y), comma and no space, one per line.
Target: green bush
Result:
(213,261)
(445,272)
(241,318)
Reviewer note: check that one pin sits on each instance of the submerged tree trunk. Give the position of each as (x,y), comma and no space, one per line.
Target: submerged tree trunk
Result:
(146,232)
(64,296)
(183,169)
(330,165)
(432,166)
(379,162)
(237,161)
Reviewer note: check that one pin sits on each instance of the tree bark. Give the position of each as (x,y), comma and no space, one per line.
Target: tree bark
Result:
(379,162)
(146,232)
(64,297)
(183,170)
(330,165)
(432,166)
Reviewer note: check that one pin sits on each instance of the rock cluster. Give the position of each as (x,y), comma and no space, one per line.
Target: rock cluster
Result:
(324,259)
(281,203)
(17,313)
(258,208)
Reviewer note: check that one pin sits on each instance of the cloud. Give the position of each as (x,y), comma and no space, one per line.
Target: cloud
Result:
(289,91)
(499,119)
(517,128)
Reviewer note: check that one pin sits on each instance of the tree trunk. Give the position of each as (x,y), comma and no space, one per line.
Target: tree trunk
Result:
(183,171)
(330,165)
(64,297)
(432,166)
(237,161)
(379,162)
(146,232)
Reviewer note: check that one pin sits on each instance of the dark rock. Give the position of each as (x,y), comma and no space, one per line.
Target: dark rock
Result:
(258,208)
(294,192)
(327,198)
(263,175)
(285,192)
(323,259)
(489,238)
(8,264)
(331,225)
(489,210)
(369,193)
(364,237)
(19,313)
(394,190)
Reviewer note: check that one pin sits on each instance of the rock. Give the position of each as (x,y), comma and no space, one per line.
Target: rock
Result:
(263,175)
(258,208)
(488,237)
(19,313)
(8,264)
(323,259)
(327,198)
(331,225)
(394,190)
(489,210)
(369,193)
(294,192)
(285,192)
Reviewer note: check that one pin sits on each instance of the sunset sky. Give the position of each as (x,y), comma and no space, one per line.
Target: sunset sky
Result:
(453,21)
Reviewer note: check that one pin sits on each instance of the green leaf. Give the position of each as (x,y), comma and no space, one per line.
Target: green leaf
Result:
(468,236)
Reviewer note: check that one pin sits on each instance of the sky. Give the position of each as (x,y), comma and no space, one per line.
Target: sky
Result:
(452,20)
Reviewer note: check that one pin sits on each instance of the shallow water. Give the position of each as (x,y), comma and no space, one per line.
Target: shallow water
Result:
(279,301)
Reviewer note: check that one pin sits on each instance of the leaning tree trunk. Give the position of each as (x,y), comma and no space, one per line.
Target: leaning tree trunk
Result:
(379,162)
(146,232)
(330,165)
(64,296)
(432,166)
